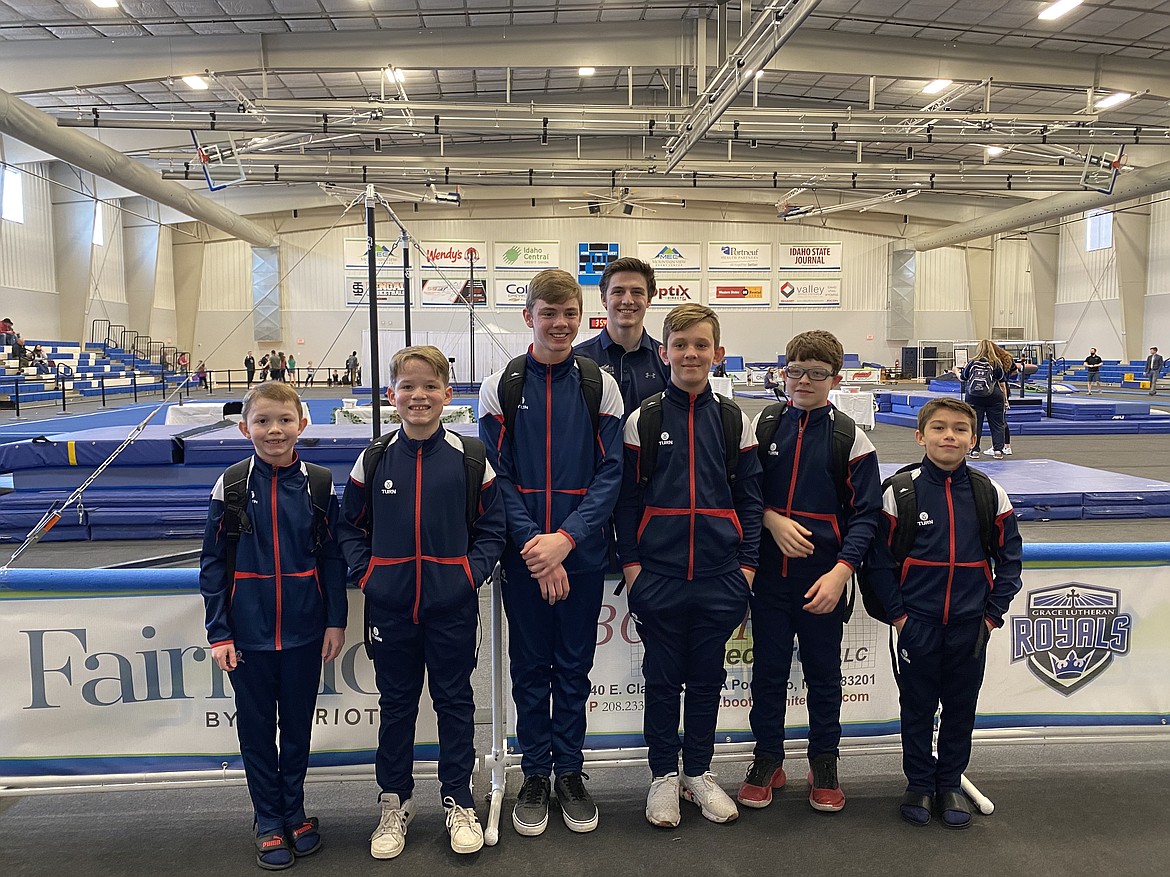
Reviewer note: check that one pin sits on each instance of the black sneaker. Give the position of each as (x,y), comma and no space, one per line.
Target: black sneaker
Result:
(824,790)
(530,818)
(577,807)
(765,774)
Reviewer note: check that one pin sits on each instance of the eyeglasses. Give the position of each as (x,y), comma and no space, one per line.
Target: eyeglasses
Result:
(813,374)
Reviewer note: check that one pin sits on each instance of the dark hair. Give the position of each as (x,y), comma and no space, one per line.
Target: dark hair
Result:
(628,263)
(816,344)
(944,403)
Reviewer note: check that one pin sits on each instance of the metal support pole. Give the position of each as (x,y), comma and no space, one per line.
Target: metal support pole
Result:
(64,404)
(16,393)
(471,313)
(372,285)
(102,384)
(134,385)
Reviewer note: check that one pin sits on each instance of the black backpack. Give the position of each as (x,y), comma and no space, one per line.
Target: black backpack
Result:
(235,501)
(512,389)
(650,427)
(844,434)
(474,465)
(902,482)
(980,378)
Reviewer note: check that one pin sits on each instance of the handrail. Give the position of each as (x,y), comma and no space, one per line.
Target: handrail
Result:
(97,336)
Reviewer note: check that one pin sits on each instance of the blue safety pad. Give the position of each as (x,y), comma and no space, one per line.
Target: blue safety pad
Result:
(103,533)
(60,533)
(91,447)
(1159,510)
(67,478)
(1049,513)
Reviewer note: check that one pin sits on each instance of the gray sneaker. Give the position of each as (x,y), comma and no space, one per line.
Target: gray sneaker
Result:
(577,807)
(662,808)
(530,817)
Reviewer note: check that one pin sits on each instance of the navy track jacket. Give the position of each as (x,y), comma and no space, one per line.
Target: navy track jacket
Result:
(419,560)
(798,483)
(282,596)
(689,522)
(554,474)
(947,577)
(640,373)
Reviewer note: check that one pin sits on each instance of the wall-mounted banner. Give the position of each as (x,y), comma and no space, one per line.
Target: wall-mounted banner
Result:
(389,291)
(591,261)
(439,292)
(811,256)
(752,293)
(511,293)
(797,292)
(526,255)
(670,255)
(739,257)
(354,254)
(453,254)
(675,292)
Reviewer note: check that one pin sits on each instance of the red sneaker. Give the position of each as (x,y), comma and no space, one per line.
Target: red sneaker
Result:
(824,791)
(764,775)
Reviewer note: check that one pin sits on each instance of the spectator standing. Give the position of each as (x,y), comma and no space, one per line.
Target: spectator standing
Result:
(250,367)
(291,374)
(351,369)
(1093,365)
(1154,364)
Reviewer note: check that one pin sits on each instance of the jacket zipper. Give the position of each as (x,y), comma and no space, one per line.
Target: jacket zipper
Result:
(792,482)
(418,561)
(691,444)
(276,553)
(951,563)
(548,449)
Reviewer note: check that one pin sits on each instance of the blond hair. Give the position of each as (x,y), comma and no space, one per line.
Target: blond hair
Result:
(685,316)
(816,344)
(945,403)
(274,391)
(987,350)
(425,353)
(554,286)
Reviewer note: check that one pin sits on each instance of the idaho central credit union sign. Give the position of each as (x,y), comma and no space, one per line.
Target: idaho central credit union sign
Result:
(1070,634)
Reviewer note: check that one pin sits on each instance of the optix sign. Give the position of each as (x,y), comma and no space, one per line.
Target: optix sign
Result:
(1071,634)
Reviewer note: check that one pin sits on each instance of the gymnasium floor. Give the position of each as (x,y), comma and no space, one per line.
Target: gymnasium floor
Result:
(1061,808)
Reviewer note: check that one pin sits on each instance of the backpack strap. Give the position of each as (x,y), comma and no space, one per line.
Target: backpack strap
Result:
(986,505)
(906,501)
(766,427)
(844,433)
(649,428)
(732,420)
(474,467)
(235,514)
(320,489)
(512,389)
(370,459)
(591,389)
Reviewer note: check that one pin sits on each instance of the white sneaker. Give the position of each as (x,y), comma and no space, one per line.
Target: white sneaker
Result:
(389,837)
(997,455)
(715,803)
(464,828)
(1007,450)
(662,802)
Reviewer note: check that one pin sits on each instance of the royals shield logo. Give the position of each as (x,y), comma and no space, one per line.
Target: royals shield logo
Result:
(1071,634)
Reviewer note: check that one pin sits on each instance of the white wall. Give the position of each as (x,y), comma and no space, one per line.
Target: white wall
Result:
(27,277)
(162,313)
(107,273)
(1088,307)
(1157,317)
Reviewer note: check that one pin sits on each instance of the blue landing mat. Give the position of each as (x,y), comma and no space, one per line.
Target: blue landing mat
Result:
(1121,426)
(1051,490)
(90,447)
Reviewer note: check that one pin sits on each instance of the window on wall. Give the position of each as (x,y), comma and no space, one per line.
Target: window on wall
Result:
(1098,230)
(12,195)
(99,232)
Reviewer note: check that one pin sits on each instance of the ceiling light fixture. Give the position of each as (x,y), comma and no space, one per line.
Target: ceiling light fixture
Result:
(759,73)
(1113,100)
(395,75)
(105,4)
(1061,7)
(586,71)
(994,151)
(936,86)
(198,83)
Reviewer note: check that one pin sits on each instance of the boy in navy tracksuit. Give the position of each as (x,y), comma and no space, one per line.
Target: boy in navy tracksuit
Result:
(944,599)
(688,540)
(819,524)
(407,537)
(274,618)
(559,478)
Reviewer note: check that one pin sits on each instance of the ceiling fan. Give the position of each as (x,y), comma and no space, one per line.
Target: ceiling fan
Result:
(619,198)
